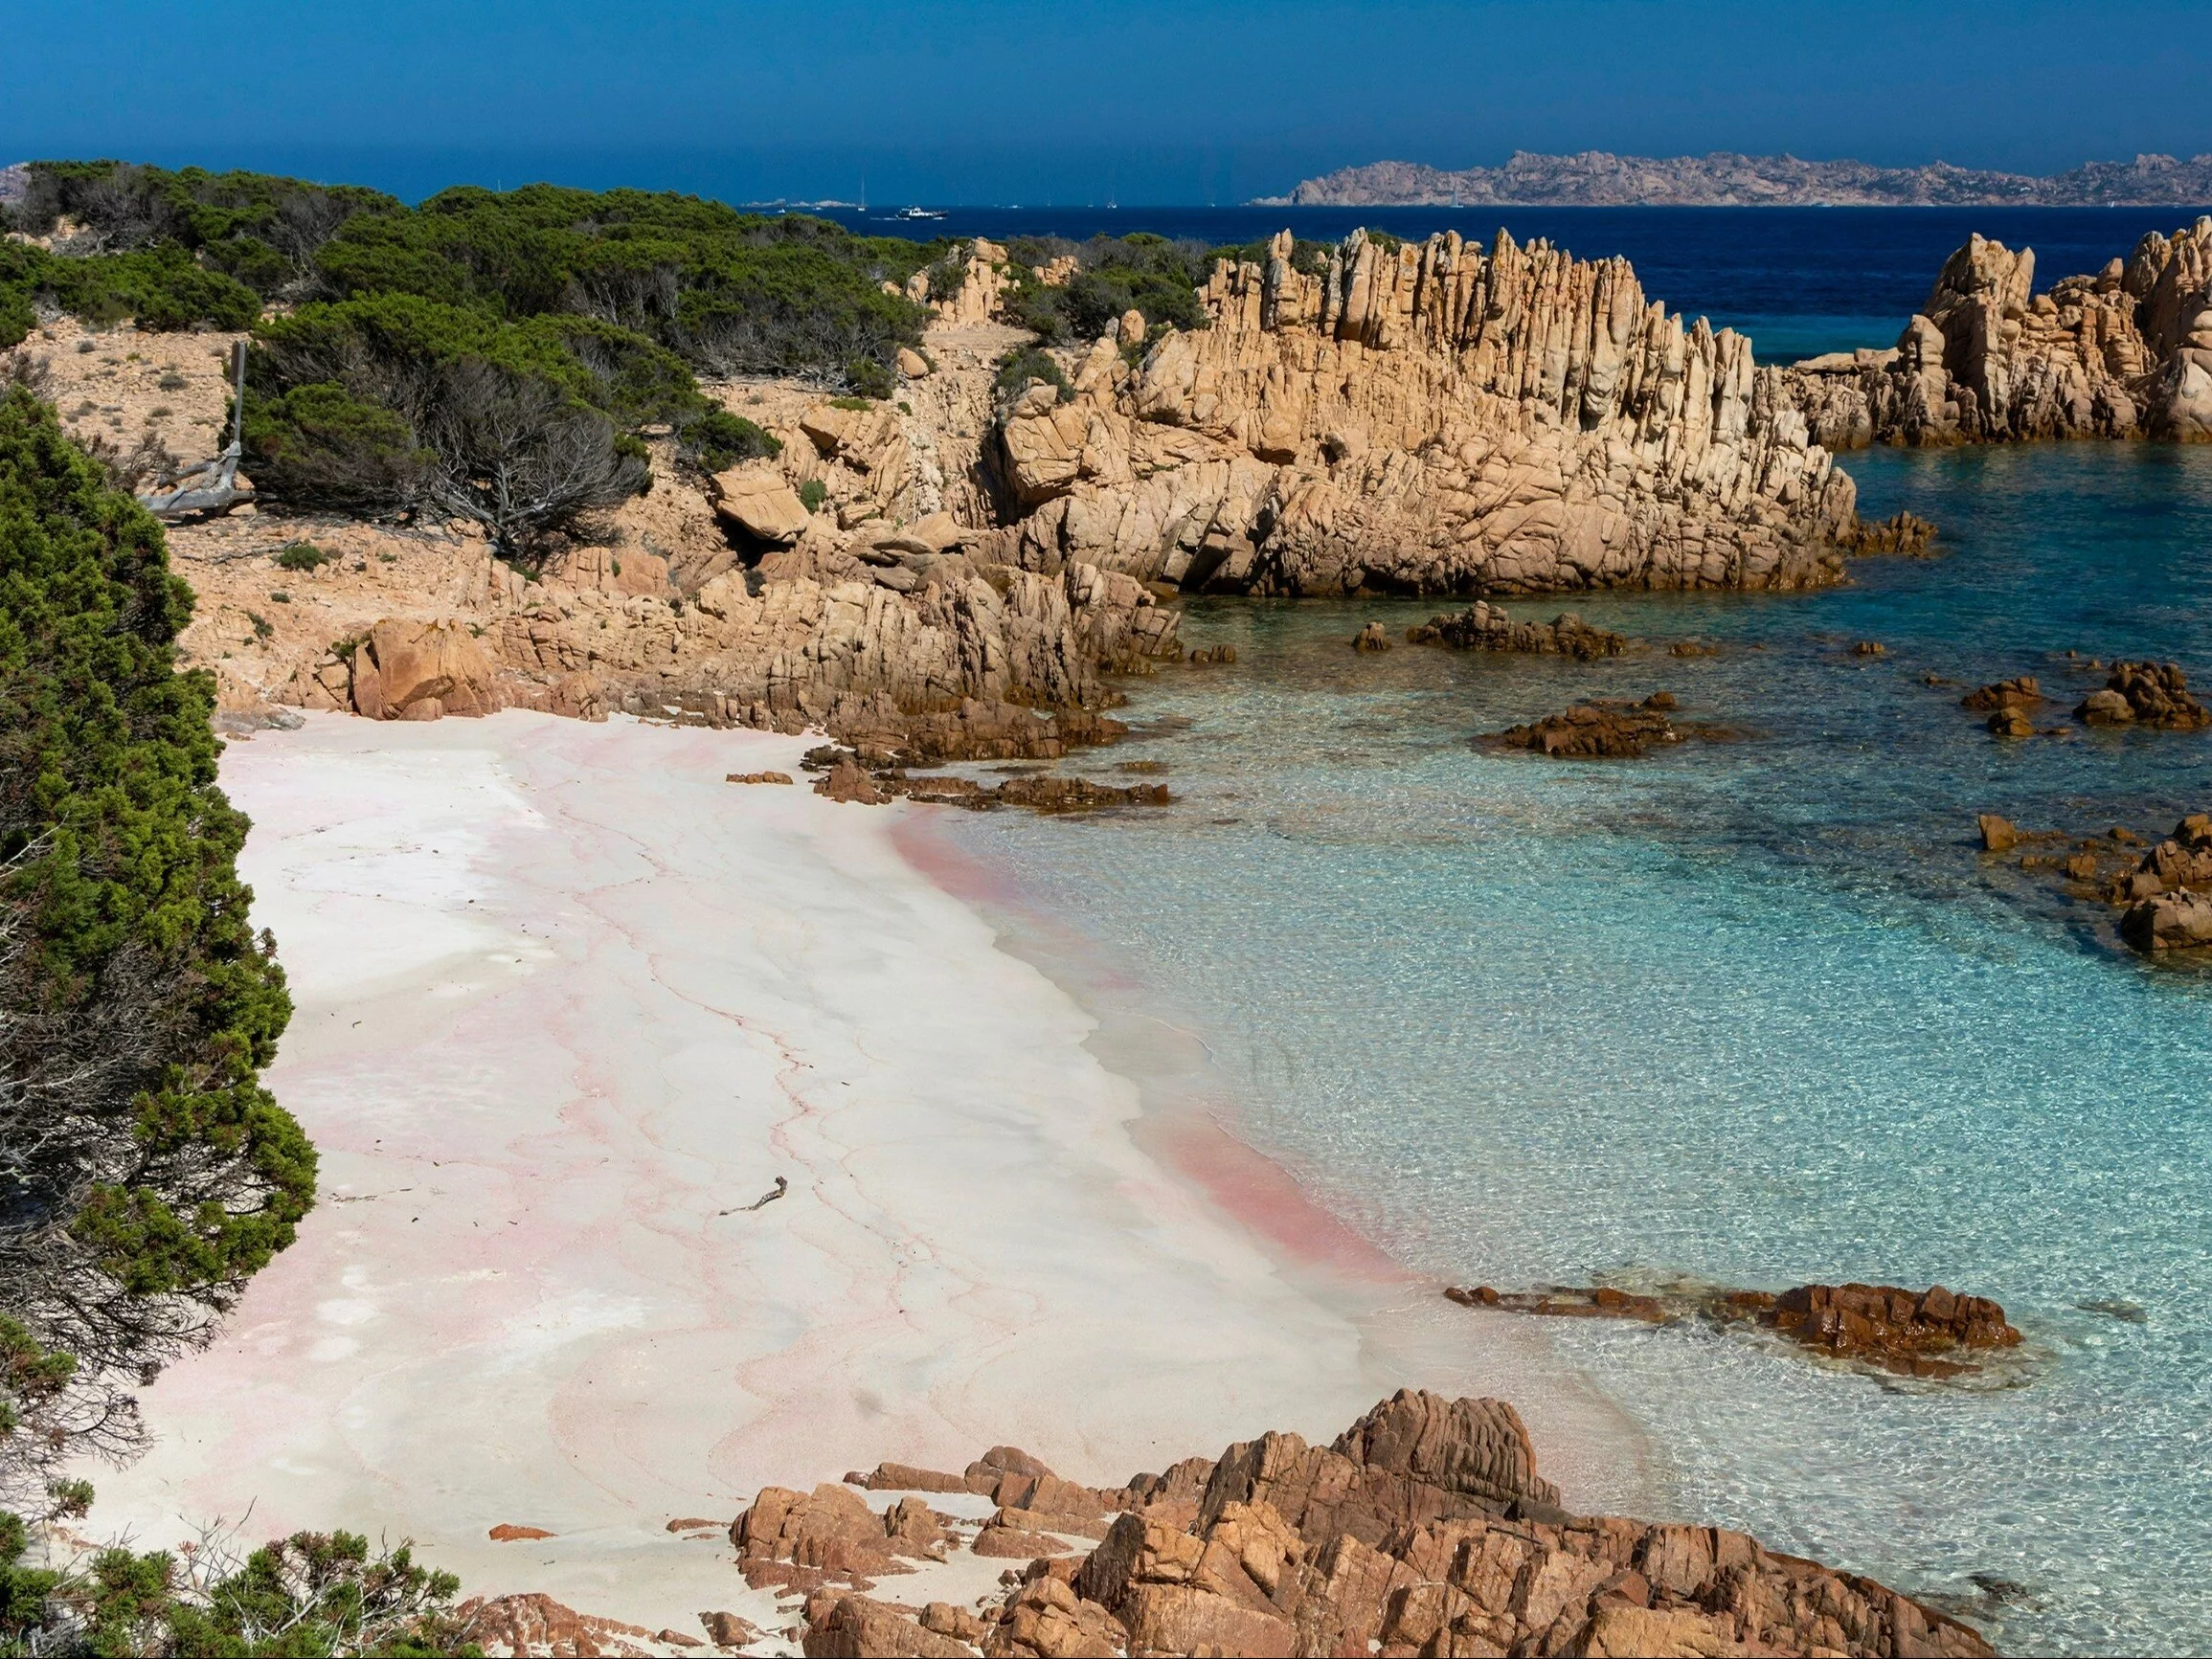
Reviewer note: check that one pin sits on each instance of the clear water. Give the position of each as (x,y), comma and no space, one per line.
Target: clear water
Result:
(1755,1012)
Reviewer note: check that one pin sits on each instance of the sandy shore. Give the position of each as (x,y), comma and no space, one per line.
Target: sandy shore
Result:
(567,1001)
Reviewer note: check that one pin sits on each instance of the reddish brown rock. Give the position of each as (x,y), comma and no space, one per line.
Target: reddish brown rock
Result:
(1595,731)
(1046,1619)
(757,778)
(693,1524)
(2146,693)
(906,1477)
(1486,627)
(405,670)
(729,1631)
(855,1628)
(1892,1328)
(1905,534)
(2025,692)
(1998,833)
(1424,1529)
(805,1540)
(508,1532)
(541,1627)
(846,783)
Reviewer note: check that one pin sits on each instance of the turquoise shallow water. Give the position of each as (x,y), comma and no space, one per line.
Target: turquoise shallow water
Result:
(1753,1012)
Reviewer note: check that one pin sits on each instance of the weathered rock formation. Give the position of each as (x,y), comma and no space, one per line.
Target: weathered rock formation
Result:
(2124,353)
(1486,627)
(1933,1333)
(2145,694)
(1426,418)
(1423,1529)
(1596,731)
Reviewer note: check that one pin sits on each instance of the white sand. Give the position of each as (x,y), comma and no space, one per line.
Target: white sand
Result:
(565,999)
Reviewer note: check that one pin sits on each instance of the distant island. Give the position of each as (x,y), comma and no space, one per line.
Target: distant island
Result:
(1724,179)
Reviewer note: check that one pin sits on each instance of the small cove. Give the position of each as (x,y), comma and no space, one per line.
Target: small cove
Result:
(1753,1012)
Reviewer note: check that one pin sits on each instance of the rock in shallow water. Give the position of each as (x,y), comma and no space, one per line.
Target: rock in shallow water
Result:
(1914,1334)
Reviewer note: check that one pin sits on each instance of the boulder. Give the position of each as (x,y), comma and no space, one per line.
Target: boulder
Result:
(1486,627)
(2025,692)
(2151,693)
(805,1540)
(1371,638)
(2168,922)
(855,1628)
(409,670)
(1595,731)
(756,499)
(1998,833)
(912,363)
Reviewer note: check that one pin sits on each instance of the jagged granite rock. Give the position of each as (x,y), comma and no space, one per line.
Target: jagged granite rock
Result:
(1424,1529)
(2124,353)
(1430,419)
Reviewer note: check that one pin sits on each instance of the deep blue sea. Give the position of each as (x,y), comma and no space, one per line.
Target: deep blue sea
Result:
(1754,1013)
(1799,281)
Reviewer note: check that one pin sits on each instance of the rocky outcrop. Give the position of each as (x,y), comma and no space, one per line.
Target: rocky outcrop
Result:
(537,1625)
(2145,694)
(1425,418)
(1422,1529)
(1596,731)
(1486,627)
(406,670)
(2124,353)
(1933,1333)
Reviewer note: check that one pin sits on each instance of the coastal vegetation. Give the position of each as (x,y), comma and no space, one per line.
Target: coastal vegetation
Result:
(144,1172)
(487,356)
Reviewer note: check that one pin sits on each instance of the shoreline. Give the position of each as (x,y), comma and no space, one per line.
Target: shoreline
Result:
(567,1002)
(1603,1461)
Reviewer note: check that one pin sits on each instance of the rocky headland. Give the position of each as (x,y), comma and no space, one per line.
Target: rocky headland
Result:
(2125,352)
(1425,418)
(1424,1528)
(1723,178)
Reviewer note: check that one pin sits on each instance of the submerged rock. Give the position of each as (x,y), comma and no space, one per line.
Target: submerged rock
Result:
(1486,627)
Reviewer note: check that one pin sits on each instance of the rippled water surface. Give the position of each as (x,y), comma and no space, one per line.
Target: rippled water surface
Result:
(1753,1012)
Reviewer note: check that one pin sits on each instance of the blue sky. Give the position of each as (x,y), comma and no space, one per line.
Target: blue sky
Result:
(1015,100)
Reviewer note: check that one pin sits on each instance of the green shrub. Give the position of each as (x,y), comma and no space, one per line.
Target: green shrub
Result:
(869,378)
(812,494)
(1031,363)
(139,1006)
(718,439)
(301,556)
